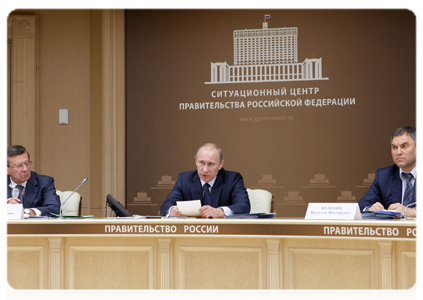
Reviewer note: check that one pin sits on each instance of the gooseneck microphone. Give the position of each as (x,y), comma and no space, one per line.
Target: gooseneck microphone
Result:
(61,206)
(405,210)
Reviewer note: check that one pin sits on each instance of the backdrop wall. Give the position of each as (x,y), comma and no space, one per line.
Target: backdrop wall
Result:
(303,108)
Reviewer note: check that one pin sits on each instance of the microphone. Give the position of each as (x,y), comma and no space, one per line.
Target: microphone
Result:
(61,206)
(405,210)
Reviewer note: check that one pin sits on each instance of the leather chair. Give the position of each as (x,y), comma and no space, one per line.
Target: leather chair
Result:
(72,207)
(261,201)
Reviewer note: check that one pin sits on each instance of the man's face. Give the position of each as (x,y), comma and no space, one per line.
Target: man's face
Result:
(403,150)
(208,165)
(19,176)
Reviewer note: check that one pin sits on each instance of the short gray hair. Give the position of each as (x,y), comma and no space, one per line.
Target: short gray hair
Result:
(411,131)
(208,146)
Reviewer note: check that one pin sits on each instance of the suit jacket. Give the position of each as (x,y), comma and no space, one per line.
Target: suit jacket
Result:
(386,189)
(40,193)
(228,190)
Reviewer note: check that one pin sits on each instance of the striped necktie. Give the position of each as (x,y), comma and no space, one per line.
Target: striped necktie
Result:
(20,194)
(408,193)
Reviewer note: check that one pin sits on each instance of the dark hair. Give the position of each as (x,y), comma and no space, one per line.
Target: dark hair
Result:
(15,150)
(411,131)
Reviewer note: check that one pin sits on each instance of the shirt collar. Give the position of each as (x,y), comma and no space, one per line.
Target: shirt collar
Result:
(414,172)
(211,182)
(13,184)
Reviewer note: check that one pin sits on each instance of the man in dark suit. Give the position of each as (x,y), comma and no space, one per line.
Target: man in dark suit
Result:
(394,187)
(221,192)
(36,192)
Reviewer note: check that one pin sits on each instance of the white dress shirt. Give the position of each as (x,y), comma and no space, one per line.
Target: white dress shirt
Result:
(227,211)
(15,193)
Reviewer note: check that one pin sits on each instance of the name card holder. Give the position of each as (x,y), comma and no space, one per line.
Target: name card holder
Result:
(15,212)
(333,211)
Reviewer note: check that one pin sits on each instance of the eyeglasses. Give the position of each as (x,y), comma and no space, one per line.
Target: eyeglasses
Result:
(28,164)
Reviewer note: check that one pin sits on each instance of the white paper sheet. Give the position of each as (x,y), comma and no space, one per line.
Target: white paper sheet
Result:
(190,208)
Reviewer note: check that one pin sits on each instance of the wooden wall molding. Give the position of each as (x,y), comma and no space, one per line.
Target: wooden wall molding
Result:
(226,260)
(22,31)
(55,263)
(113,33)
(273,263)
(344,267)
(200,261)
(32,257)
(408,269)
(385,249)
(90,261)
(165,267)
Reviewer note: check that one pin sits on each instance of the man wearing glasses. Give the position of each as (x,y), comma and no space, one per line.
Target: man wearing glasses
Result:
(36,192)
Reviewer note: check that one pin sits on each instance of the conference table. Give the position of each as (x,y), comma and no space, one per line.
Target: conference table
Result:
(189,253)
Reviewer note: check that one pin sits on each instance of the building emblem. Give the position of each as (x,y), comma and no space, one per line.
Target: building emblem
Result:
(266,55)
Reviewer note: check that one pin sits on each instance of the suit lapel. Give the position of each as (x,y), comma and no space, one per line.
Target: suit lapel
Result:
(396,187)
(9,190)
(216,190)
(416,189)
(196,188)
(30,191)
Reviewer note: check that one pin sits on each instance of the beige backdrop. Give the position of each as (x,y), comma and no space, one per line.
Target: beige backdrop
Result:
(301,153)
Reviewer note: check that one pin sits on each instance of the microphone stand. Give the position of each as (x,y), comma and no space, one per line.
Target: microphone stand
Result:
(405,211)
(61,206)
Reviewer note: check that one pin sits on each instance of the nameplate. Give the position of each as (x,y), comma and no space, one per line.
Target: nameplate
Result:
(15,211)
(333,211)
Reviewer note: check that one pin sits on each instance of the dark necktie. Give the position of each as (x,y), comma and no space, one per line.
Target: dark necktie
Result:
(20,194)
(408,193)
(207,196)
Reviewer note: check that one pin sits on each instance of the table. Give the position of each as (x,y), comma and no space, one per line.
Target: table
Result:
(279,253)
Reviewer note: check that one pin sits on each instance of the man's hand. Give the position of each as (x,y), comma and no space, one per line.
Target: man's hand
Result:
(32,213)
(411,212)
(13,201)
(397,206)
(208,211)
(174,212)
(376,206)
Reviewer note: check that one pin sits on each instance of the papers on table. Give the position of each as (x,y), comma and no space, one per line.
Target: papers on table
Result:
(387,214)
(382,214)
(189,208)
(251,216)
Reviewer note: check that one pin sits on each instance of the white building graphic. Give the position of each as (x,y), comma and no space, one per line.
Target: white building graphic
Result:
(367,182)
(142,200)
(319,179)
(266,55)
(370,178)
(267,181)
(293,196)
(346,196)
(165,184)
